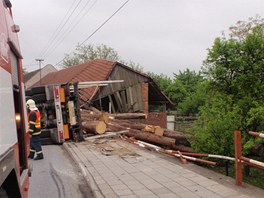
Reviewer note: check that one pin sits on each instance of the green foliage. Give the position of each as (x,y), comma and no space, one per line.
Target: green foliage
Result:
(256,117)
(187,90)
(89,52)
(162,81)
(213,132)
(194,100)
(83,53)
(235,70)
(133,65)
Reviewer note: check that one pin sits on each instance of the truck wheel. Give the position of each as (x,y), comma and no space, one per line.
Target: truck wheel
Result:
(28,93)
(3,193)
(38,90)
(39,98)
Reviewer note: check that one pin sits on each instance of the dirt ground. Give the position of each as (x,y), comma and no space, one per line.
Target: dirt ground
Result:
(112,146)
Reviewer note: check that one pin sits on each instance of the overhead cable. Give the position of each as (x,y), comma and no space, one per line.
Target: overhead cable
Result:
(97,29)
(61,28)
(72,25)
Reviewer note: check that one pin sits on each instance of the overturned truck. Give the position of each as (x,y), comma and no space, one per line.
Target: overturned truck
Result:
(60,112)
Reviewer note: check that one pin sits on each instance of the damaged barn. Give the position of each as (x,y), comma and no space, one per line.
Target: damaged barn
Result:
(135,94)
(110,91)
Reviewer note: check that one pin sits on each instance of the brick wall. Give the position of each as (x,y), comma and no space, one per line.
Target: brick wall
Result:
(145,97)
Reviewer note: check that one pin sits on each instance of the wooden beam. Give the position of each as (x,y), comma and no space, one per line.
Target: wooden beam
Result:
(238,154)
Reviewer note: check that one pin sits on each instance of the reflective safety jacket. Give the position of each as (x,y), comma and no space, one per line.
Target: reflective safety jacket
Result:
(34,124)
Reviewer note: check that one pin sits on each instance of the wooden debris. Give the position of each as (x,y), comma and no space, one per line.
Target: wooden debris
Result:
(95,126)
(128,116)
(98,122)
(149,137)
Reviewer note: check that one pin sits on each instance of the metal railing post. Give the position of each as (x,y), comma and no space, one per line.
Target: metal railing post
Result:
(238,154)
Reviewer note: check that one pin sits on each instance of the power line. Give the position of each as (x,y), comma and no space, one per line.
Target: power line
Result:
(97,29)
(56,31)
(67,20)
(105,22)
(66,33)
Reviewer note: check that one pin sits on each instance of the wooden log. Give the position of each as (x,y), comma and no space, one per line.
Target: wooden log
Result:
(159,131)
(146,136)
(94,109)
(152,138)
(86,115)
(154,129)
(95,126)
(149,128)
(127,123)
(180,137)
(113,128)
(183,148)
(104,117)
(128,116)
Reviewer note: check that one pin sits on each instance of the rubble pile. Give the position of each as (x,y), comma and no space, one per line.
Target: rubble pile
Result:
(132,125)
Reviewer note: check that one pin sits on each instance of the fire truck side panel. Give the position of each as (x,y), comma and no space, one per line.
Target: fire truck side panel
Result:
(8,137)
(4,48)
(14,171)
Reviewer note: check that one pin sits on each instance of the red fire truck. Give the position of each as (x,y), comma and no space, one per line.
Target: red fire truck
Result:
(14,139)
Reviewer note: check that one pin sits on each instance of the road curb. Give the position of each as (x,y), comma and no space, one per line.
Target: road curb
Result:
(86,174)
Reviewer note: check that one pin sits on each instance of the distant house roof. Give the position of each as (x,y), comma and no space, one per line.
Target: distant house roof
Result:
(32,77)
(95,70)
(29,75)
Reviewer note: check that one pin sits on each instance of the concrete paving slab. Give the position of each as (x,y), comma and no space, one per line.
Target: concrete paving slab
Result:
(142,173)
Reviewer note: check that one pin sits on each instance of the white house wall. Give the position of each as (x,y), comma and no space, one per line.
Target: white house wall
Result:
(44,71)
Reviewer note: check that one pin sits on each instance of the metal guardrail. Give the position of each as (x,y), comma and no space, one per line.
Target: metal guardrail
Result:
(239,159)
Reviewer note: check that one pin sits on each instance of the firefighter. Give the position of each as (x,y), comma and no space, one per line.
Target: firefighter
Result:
(34,126)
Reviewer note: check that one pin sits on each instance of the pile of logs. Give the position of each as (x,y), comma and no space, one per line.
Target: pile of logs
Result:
(96,122)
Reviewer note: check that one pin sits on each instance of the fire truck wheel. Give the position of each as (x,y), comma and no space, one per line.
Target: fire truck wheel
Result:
(38,90)
(3,193)
(39,98)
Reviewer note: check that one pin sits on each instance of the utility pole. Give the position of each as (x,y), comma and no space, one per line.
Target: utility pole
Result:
(39,60)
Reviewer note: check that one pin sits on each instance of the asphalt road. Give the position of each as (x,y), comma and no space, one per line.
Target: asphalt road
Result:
(57,176)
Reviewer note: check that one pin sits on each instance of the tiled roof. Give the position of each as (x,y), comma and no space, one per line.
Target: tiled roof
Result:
(29,75)
(95,70)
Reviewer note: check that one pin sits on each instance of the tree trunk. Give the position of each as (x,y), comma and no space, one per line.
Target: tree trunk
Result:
(183,148)
(128,116)
(152,138)
(85,115)
(180,137)
(97,127)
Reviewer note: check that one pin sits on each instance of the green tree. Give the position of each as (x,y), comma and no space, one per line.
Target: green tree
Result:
(163,81)
(235,70)
(196,99)
(213,132)
(188,91)
(84,53)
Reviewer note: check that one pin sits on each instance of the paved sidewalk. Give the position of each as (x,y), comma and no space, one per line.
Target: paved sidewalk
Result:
(147,174)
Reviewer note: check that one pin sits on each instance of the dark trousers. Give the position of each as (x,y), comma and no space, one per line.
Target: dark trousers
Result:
(35,147)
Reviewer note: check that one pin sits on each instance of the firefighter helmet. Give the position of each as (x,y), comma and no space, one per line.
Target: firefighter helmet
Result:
(31,104)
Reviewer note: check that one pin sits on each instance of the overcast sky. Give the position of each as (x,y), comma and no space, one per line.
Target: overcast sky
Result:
(163,36)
